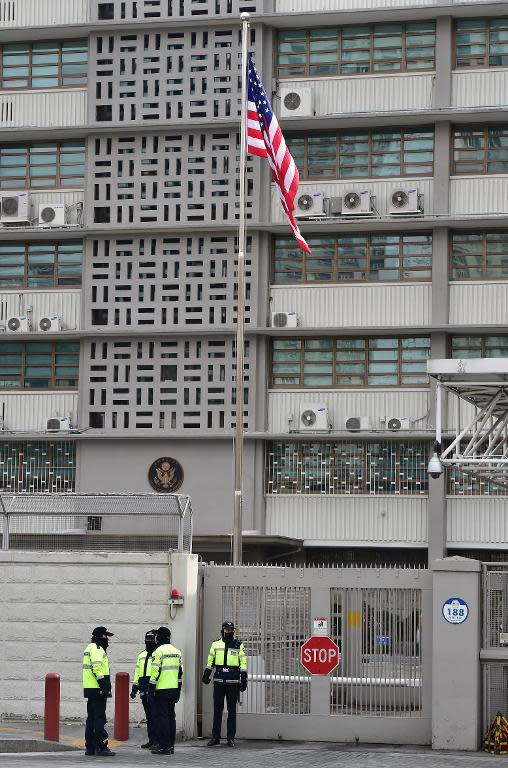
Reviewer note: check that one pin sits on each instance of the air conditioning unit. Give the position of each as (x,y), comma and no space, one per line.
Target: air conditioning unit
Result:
(314,418)
(357,423)
(14,208)
(310,204)
(58,424)
(357,203)
(406,202)
(20,324)
(296,102)
(397,423)
(284,320)
(50,324)
(52,215)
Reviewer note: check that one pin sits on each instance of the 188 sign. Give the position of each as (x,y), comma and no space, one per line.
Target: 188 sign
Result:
(455,610)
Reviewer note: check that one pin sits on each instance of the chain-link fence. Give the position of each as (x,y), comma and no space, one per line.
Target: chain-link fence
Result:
(148,522)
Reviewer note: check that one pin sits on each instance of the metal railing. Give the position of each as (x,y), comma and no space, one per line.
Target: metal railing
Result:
(148,522)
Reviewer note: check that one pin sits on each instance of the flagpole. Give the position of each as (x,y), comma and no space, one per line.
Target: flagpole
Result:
(240,316)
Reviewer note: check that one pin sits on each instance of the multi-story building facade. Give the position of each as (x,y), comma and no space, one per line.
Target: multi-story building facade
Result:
(119,150)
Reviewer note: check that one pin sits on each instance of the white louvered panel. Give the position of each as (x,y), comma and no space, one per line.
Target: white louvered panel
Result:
(477,521)
(341,404)
(355,305)
(29,411)
(381,189)
(367,93)
(360,520)
(66,304)
(482,303)
(288,6)
(484,88)
(478,194)
(43,109)
(33,13)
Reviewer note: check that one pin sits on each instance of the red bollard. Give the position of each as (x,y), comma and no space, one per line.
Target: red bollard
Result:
(52,707)
(122,706)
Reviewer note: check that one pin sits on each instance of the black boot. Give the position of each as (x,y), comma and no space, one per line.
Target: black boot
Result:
(104,751)
(231,742)
(148,745)
(213,742)
(163,751)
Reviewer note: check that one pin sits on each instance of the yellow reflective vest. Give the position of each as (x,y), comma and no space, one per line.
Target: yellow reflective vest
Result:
(228,663)
(143,671)
(166,668)
(95,668)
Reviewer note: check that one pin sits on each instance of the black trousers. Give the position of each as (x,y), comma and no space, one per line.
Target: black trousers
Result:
(164,720)
(230,691)
(149,719)
(96,734)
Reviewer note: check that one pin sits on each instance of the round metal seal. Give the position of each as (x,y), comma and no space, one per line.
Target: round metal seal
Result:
(165,475)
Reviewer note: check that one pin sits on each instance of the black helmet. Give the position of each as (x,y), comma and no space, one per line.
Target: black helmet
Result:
(163,635)
(150,636)
(101,632)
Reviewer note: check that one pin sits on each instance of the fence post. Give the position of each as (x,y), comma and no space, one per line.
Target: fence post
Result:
(5,526)
(122,706)
(52,707)
(180,525)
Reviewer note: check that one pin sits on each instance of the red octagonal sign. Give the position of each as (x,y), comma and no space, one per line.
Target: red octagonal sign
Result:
(319,655)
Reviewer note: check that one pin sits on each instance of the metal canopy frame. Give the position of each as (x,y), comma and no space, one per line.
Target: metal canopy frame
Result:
(480,446)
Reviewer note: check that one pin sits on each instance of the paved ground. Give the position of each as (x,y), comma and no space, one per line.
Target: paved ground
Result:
(248,754)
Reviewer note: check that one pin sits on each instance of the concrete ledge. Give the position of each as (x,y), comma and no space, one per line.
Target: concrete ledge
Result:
(34,745)
(457,563)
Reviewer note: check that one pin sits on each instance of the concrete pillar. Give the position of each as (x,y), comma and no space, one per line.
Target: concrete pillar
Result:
(443,77)
(184,627)
(436,530)
(456,682)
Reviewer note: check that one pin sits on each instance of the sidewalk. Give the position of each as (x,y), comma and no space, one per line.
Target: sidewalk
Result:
(250,754)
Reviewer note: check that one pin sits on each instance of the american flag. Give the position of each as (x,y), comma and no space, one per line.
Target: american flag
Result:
(264,138)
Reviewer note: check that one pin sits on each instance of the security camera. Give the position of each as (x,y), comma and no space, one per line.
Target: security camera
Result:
(435,468)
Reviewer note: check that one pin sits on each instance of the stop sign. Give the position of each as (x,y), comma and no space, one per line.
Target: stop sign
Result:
(319,655)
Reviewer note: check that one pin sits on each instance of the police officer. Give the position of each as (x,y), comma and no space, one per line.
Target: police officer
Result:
(97,689)
(164,691)
(141,681)
(228,657)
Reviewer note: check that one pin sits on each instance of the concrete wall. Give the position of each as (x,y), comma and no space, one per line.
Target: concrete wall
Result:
(50,602)
(104,467)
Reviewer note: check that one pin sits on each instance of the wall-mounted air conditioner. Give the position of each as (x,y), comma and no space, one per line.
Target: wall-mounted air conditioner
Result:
(397,423)
(14,208)
(52,215)
(406,202)
(19,324)
(50,324)
(311,203)
(296,102)
(357,203)
(357,423)
(313,417)
(58,424)
(284,320)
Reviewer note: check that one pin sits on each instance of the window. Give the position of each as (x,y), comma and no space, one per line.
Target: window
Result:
(58,164)
(479,346)
(353,257)
(481,43)
(44,64)
(39,365)
(479,256)
(356,50)
(363,154)
(349,362)
(40,265)
(480,150)
(38,467)
(347,468)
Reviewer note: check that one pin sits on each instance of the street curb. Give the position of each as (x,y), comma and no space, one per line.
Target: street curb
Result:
(34,745)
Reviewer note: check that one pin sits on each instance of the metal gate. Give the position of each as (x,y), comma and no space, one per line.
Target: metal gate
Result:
(494,653)
(380,692)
